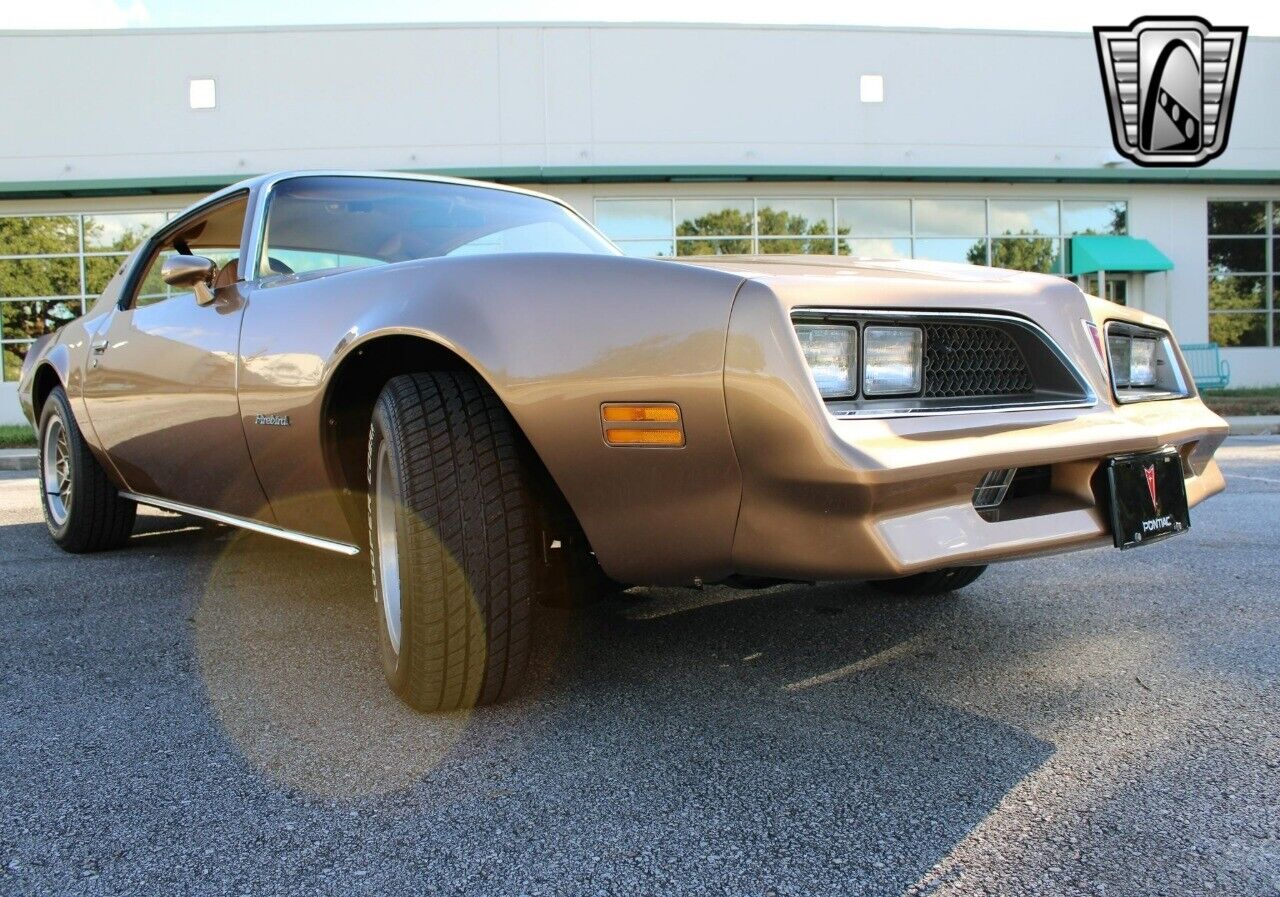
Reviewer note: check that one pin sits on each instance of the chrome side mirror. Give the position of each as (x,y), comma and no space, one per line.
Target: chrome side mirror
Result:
(191,271)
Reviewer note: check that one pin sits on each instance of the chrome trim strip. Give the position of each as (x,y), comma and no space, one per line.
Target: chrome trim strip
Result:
(1090,397)
(243,523)
(985,409)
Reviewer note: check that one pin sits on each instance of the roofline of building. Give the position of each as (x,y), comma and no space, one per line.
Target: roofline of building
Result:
(621,174)
(129,31)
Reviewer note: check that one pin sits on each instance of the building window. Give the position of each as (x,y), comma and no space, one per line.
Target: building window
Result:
(53,266)
(1026,234)
(1244,274)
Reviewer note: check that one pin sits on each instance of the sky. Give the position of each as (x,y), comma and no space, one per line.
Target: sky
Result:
(1079,15)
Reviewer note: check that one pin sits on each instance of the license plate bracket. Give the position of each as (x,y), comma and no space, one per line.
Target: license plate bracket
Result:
(1148,498)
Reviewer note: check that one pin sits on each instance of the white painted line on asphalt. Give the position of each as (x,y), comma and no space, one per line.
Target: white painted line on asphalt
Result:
(887,656)
(1241,476)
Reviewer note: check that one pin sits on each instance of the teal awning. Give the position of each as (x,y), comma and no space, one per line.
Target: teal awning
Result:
(1121,254)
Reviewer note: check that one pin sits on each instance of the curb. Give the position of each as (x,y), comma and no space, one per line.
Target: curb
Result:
(1259,425)
(18,459)
(1263,429)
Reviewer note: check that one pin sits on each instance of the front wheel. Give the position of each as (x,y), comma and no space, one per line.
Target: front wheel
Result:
(453,541)
(82,508)
(935,582)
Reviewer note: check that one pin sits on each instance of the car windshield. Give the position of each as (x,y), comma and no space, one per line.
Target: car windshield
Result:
(340,221)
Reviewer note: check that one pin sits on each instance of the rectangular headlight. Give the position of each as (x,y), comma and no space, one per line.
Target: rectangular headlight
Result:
(1142,362)
(1119,347)
(832,355)
(893,360)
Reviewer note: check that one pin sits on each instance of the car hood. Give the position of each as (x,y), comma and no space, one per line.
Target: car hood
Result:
(770,266)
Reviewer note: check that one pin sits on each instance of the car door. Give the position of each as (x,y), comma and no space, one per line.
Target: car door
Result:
(160,379)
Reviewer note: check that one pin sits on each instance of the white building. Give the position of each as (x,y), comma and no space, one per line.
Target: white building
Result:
(959,145)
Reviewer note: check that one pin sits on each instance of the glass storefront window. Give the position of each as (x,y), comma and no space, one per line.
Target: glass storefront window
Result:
(874,217)
(34,318)
(972,251)
(784,217)
(1088,216)
(39,235)
(876,248)
(1238,218)
(33,277)
(713,218)
(1240,255)
(1041,254)
(797,246)
(646,249)
(119,233)
(1237,293)
(1238,330)
(98,271)
(1032,217)
(964,230)
(950,217)
(1244,272)
(634,219)
(52,267)
(698,246)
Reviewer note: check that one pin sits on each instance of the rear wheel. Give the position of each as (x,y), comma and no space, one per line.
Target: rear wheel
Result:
(82,508)
(453,541)
(935,582)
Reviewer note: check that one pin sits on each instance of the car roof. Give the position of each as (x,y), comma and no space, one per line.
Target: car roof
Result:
(271,178)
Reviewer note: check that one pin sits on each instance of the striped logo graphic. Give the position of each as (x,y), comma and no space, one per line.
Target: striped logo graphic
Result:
(1171,87)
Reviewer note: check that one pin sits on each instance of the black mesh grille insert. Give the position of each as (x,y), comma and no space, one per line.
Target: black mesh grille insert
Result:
(963,360)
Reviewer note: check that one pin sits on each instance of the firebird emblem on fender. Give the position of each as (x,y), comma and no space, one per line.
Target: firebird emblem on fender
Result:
(272,420)
(1150,473)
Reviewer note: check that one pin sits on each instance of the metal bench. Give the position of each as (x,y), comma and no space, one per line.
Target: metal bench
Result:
(1208,368)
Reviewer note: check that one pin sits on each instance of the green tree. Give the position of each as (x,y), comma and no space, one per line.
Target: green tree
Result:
(1236,294)
(728,222)
(1032,253)
(25,278)
(732,227)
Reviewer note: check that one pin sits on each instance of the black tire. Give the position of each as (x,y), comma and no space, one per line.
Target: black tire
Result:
(466,538)
(935,582)
(91,516)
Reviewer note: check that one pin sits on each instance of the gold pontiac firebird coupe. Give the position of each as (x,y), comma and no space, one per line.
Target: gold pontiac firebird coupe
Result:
(473,385)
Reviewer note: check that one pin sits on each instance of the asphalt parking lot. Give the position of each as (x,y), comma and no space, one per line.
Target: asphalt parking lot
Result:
(203,713)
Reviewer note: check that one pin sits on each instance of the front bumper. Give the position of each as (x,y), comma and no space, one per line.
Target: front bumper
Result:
(888,497)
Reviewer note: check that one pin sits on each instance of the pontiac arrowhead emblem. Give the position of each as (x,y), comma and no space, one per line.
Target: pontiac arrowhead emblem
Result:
(1150,473)
(1171,87)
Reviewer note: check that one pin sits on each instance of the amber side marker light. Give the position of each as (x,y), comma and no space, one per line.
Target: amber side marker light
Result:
(656,424)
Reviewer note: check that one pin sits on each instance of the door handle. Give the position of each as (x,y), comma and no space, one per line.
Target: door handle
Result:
(99,346)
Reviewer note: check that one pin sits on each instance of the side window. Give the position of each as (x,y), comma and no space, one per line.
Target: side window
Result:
(215,235)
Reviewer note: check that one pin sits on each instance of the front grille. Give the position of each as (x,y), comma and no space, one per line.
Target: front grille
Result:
(971,361)
(966,360)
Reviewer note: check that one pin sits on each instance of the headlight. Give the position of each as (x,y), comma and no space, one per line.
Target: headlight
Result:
(832,355)
(1143,364)
(893,360)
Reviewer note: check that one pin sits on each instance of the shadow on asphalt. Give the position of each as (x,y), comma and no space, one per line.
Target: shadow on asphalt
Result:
(652,725)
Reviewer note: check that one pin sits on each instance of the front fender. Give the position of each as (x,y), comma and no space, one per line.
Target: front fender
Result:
(555,336)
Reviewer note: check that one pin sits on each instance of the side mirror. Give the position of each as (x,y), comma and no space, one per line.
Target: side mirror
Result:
(191,271)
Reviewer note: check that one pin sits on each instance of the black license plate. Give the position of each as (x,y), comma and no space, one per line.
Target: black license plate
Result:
(1148,498)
